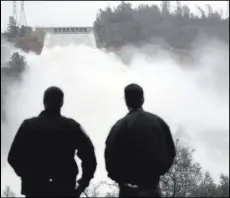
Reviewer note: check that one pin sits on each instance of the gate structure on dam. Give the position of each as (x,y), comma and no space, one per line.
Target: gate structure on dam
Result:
(68,30)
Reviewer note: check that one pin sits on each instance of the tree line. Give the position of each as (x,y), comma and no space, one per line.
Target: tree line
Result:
(179,28)
(185,179)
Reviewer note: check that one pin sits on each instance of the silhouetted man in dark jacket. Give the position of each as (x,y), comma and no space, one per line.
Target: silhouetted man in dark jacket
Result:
(43,152)
(139,149)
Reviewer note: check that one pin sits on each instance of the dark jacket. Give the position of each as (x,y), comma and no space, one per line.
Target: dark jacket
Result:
(44,149)
(139,149)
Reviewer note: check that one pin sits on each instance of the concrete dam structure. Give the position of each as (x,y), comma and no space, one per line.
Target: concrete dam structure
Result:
(63,36)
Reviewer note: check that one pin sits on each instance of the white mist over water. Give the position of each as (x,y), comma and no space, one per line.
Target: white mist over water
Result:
(195,100)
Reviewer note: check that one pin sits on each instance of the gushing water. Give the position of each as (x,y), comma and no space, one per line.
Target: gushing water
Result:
(195,100)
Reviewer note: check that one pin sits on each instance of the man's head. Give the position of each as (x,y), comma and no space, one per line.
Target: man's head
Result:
(53,98)
(134,96)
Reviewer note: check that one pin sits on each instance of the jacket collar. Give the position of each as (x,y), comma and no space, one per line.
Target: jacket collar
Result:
(135,110)
(50,113)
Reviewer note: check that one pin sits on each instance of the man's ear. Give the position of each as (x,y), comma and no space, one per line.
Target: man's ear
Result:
(62,102)
(45,105)
(125,100)
(143,100)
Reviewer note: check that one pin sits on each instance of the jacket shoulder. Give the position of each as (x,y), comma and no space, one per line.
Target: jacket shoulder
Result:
(154,116)
(64,119)
(115,128)
(71,122)
(30,120)
(119,123)
(160,120)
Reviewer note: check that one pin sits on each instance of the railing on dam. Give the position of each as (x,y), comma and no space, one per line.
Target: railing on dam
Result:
(67,30)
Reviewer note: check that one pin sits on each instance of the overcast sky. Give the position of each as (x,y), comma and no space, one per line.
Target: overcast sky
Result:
(75,13)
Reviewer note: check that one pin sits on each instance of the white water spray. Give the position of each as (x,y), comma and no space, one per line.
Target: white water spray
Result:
(93,83)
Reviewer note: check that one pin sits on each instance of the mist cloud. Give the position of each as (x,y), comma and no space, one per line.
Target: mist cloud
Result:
(194,100)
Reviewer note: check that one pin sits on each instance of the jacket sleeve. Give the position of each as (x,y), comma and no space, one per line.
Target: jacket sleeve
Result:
(109,153)
(87,155)
(169,142)
(113,151)
(18,150)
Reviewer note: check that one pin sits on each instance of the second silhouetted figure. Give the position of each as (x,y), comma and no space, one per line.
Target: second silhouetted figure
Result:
(139,149)
(43,152)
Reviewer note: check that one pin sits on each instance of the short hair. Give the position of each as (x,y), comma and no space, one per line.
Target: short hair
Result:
(53,98)
(134,96)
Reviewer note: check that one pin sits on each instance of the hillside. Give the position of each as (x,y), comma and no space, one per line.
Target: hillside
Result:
(177,29)
(24,37)
(33,42)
